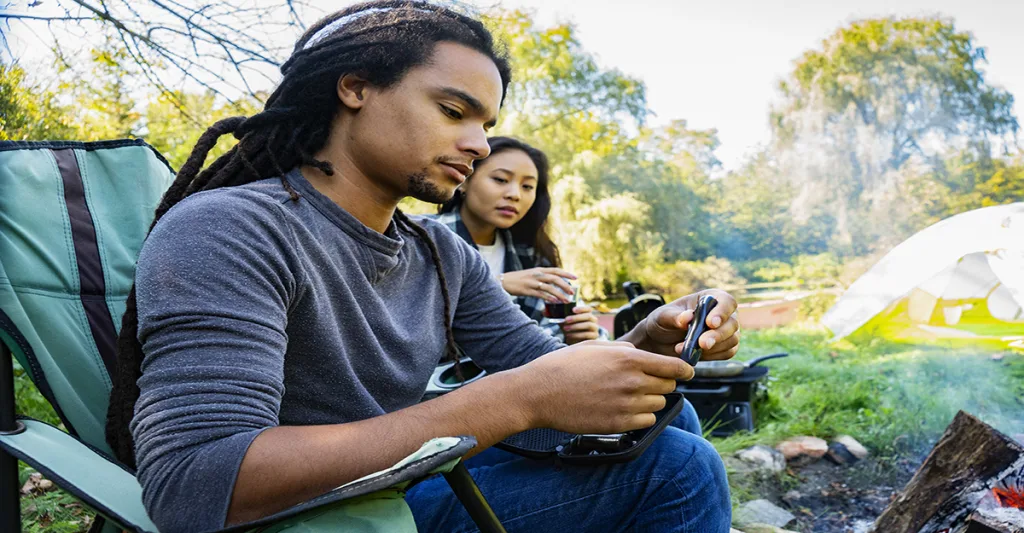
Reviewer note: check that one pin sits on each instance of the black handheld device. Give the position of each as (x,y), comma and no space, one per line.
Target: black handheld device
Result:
(691,349)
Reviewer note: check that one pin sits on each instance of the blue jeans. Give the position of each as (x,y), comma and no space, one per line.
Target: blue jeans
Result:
(678,484)
(687,420)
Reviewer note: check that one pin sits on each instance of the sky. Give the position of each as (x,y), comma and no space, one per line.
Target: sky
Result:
(717,63)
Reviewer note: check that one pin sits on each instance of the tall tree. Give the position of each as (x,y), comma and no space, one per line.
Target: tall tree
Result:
(882,99)
(561,99)
(668,169)
(603,240)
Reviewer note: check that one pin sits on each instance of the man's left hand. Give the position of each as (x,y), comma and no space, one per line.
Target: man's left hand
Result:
(663,330)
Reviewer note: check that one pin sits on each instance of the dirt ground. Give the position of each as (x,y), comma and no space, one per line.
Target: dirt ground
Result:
(828,498)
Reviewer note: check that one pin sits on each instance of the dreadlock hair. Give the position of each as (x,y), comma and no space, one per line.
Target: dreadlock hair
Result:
(531,230)
(381,41)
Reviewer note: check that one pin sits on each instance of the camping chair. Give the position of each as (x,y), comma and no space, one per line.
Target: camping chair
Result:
(73,217)
(640,305)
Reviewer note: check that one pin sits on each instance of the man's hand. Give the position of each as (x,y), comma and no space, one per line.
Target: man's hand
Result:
(597,387)
(663,330)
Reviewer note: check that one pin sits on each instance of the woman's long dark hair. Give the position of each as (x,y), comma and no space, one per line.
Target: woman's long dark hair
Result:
(531,230)
(380,41)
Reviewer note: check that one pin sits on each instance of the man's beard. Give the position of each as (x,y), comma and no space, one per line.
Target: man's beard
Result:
(422,189)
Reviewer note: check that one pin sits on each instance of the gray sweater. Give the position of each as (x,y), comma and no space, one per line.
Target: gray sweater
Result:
(257,311)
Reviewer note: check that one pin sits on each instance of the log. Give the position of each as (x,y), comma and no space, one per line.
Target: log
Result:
(946,489)
(982,522)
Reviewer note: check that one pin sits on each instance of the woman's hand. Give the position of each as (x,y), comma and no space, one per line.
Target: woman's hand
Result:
(546,283)
(581,325)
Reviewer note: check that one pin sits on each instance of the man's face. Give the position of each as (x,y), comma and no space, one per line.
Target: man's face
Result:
(421,136)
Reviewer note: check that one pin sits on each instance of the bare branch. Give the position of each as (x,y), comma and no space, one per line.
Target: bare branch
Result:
(18,16)
(232,48)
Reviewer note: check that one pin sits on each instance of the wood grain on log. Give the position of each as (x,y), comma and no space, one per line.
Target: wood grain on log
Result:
(968,454)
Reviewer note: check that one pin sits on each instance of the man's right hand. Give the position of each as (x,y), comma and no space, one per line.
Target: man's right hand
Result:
(599,387)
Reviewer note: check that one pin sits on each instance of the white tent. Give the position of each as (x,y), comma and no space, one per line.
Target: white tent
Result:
(971,259)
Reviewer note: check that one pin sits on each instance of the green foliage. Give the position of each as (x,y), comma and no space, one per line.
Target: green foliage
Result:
(103,89)
(686,277)
(174,122)
(561,100)
(601,240)
(765,270)
(56,510)
(816,305)
(879,104)
(30,401)
(669,169)
(820,268)
(905,77)
(967,180)
(29,111)
(894,398)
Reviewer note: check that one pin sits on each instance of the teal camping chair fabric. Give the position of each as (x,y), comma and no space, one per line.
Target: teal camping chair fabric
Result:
(72,221)
(73,217)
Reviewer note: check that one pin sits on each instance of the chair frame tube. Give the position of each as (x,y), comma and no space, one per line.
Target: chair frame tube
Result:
(467,491)
(10,493)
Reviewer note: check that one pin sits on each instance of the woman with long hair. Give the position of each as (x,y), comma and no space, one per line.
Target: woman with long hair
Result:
(502,210)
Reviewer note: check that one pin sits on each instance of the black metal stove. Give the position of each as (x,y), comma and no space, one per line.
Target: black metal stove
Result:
(727,404)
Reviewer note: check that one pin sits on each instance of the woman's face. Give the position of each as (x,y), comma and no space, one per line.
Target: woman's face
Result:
(502,189)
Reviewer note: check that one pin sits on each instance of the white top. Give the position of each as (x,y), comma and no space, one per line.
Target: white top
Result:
(494,255)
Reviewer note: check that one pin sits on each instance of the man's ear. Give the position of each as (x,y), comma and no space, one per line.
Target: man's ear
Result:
(352,90)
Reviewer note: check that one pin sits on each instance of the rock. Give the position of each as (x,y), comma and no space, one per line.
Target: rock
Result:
(735,466)
(36,483)
(791,497)
(857,449)
(761,512)
(765,528)
(802,446)
(840,455)
(31,483)
(761,457)
(731,530)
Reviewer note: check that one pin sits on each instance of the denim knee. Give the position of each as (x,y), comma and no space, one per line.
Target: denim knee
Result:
(698,473)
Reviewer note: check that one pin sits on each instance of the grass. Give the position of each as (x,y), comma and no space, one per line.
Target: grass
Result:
(52,511)
(894,398)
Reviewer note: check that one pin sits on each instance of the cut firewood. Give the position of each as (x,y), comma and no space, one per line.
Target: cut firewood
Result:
(960,470)
(989,522)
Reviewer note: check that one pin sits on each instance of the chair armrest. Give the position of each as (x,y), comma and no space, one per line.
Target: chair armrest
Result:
(114,492)
(435,456)
(77,468)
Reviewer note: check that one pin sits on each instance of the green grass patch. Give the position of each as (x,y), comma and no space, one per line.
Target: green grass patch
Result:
(54,511)
(895,398)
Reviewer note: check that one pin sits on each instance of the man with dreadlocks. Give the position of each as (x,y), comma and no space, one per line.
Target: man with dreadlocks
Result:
(286,317)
